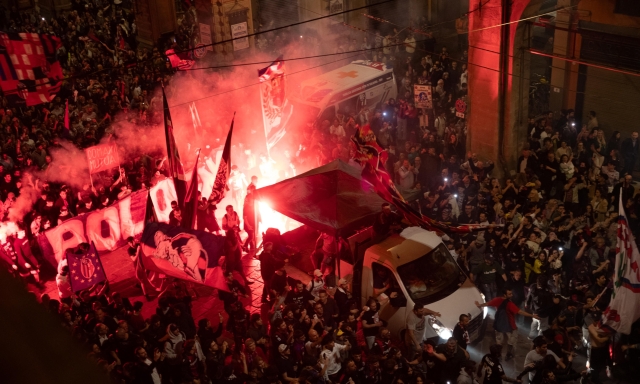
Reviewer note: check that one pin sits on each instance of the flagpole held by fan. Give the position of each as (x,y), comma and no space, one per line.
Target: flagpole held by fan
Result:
(597,298)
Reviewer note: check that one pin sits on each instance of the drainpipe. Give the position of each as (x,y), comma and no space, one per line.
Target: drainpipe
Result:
(503,82)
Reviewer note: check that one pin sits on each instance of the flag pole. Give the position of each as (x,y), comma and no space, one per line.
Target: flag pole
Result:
(595,301)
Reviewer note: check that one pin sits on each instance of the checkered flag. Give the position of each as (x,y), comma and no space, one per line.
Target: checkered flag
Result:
(29,70)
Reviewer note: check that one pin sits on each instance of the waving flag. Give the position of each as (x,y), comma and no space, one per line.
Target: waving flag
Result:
(191,204)
(175,165)
(85,269)
(220,186)
(371,156)
(186,254)
(276,110)
(150,282)
(29,71)
(180,61)
(624,308)
(273,70)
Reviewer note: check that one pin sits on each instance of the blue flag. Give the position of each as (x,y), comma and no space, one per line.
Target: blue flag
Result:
(85,268)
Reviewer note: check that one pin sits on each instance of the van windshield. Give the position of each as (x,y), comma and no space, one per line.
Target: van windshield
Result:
(432,277)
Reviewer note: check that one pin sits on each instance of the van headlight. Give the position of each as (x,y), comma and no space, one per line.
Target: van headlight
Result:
(442,331)
(485,310)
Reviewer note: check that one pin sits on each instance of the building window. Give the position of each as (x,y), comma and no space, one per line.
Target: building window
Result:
(627,7)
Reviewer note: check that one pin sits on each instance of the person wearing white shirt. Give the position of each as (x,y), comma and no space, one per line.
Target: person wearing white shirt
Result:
(406,175)
(387,41)
(337,129)
(148,366)
(467,373)
(316,284)
(566,167)
(440,124)
(62,282)
(418,329)
(538,353)
(331,355)
(410,44)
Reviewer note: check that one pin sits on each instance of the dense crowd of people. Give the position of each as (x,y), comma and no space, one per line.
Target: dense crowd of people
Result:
(549,256)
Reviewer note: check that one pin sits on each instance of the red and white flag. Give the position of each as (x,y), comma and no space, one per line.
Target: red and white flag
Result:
(274,69)
(180,61)
(29,70)
(624,308)
(276,110)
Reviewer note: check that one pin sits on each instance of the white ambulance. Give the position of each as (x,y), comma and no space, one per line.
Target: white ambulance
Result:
(345,90)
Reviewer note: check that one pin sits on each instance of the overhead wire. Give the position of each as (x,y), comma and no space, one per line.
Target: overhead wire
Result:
(268,31)
(325,55)
(512,56)
(137,62)
(343,58)
(331,62)
(285,26)
(258,83)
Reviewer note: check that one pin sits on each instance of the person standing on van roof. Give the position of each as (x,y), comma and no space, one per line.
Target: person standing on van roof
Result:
(330,249)
(387,222)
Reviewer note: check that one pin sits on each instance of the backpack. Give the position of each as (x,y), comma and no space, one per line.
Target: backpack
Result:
(501,322)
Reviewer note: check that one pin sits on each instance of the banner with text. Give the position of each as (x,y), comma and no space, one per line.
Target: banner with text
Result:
(102,157)
(237,31)
(107,228)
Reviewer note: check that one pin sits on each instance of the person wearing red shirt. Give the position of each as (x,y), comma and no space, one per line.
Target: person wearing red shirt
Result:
(508,332)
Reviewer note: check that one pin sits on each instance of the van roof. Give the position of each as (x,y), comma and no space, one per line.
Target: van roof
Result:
(411,244)
(350,78)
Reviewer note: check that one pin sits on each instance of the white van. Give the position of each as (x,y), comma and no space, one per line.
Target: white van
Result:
(425,273)
(345,90)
